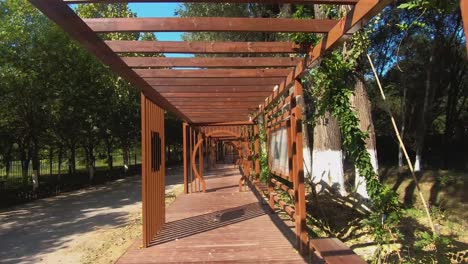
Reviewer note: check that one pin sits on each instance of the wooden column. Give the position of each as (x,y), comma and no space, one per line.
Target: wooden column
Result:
(200,157)
(257,152)
(464,12)
(185,156)
(298,169)
(152,168)
(190,155)
(271,190)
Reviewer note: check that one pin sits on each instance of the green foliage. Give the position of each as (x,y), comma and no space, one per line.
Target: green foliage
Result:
(55,95)
(302,12)
(332,86)
(264,168)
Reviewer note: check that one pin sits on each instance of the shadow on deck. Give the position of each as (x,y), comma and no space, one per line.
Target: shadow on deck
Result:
(221,225)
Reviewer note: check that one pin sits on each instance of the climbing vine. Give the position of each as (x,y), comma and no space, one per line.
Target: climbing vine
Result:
(331,84)
(263,155)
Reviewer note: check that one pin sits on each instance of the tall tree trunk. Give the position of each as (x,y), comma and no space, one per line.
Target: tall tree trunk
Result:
(327,156)
(421,131)
(25,157)
(36,164)
(126,158)
(110,158)
(72,160)
(7,160)
(51,160)
(403,126)
(60,157)
(362,105)
(90,161)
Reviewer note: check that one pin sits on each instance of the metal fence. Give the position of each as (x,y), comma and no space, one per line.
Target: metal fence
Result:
(14,188)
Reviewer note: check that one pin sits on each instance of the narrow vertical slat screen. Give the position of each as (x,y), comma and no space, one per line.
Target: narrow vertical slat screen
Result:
(152,168)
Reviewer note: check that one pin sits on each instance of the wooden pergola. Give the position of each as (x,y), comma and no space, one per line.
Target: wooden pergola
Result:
(217,97)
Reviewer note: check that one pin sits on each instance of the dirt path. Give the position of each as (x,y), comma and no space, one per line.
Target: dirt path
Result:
(94,225)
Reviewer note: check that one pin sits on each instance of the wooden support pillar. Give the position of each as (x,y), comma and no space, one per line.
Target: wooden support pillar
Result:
(185,156)
(464,12)
(257,152)
(200,157)
(152,168)
(298,169)
(190,155)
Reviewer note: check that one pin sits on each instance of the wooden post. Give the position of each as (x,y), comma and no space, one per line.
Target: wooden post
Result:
(190,155)
(257,152)
(152,168)
(298,170)
(185,154)
(200,158)
(464,12)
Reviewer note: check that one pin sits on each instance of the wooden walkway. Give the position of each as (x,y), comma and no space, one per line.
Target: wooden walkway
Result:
(221,225)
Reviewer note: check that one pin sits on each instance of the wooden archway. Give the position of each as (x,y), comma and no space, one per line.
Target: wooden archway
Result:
(197,146)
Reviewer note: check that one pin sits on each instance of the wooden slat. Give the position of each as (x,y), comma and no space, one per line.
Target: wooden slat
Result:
(209,24)
(213,81)
(210,103)
(332,251)
(216,95)
(212,89)
(321,2)
(66,18)
(203,106)
(215,99)
(213,73)
(154,62)
(127,46)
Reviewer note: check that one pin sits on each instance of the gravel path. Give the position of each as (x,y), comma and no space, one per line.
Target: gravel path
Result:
(93,225)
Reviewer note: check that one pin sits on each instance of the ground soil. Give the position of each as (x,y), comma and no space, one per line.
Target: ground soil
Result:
(95,225)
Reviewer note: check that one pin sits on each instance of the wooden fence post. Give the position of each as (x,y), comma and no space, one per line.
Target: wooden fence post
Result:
(298,170)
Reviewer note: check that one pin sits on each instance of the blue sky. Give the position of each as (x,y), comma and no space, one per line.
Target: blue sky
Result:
(160,10)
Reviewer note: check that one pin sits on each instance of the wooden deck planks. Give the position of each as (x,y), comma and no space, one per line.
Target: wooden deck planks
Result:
(221,225)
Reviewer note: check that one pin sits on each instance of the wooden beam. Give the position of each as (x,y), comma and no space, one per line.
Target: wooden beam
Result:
(263,95)
(145,62)
(236,123)
(316,2)
(213,73)
(213,81)
(213,89)
(209,24)
(215,99)
(252,105)
(130,46)
(68,20)
(215,110)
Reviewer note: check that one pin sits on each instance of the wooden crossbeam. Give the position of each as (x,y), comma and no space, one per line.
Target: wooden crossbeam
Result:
(202,100)
(144,62)
(214,108)
(316,2)
(129,46)
(213,81)
(216,95)
(209,24)
(213,73)
(213,89)
(215,103)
